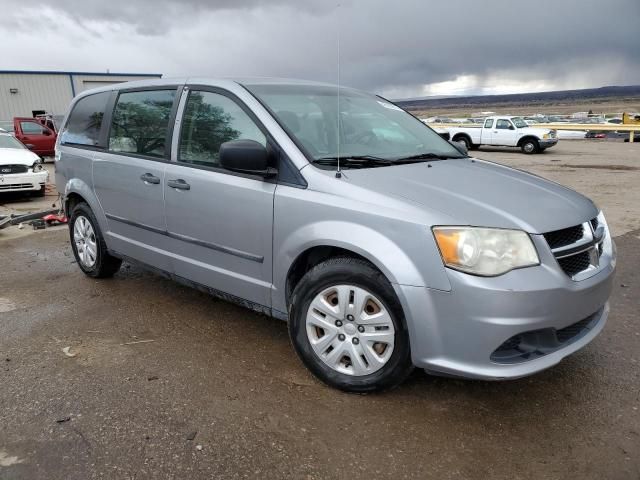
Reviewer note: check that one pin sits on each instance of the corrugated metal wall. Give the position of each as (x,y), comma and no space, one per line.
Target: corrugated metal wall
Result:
(51,92)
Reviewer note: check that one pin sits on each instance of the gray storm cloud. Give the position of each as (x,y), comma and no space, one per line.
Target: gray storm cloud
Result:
(389,47)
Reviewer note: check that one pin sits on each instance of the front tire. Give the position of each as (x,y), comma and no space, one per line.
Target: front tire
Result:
(347,326)
(88,244)
(530,146)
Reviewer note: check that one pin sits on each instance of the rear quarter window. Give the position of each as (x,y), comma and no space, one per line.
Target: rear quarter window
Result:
(85,120)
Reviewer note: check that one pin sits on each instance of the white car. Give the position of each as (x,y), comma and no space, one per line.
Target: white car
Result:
(21,170)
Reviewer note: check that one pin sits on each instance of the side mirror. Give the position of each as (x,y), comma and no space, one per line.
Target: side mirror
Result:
(460,146)
(46,132)
(246,156)
(511,127)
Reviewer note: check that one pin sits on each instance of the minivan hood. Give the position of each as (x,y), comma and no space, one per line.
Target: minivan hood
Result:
(17,156)
(480,193)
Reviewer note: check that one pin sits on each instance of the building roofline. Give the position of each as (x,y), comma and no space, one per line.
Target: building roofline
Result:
(102,74)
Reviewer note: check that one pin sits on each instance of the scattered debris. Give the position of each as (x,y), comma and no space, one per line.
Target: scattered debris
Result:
(199,448)
(152,378)
(54,219)
(13,219)
(63,420)
(192,435)
(37,224)
(624,285)
(68,353)
(137,341)
(7,461)
(6,305)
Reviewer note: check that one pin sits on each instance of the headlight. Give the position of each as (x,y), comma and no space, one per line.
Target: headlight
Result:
(546,135)
(37,165)
(485,251)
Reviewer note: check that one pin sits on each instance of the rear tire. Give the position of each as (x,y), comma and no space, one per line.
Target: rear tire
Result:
(530,146)
(360,363)
(88,245)
(465,140)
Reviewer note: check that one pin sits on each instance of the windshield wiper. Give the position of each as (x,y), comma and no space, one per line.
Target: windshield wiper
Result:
(425,157)
(354,161)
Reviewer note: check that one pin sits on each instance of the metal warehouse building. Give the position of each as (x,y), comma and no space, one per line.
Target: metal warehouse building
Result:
(29,93)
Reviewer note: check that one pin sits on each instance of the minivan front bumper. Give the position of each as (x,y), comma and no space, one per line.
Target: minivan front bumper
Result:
(509,326)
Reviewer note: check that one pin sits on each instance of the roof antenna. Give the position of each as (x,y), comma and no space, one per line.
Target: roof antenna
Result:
(338,171)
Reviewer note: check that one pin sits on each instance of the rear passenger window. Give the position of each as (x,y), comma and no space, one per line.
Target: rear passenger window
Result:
(488,123)
(140,122)
(85,120)
(209,120)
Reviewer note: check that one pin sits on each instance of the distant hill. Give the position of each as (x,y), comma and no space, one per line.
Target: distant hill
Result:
(522,98)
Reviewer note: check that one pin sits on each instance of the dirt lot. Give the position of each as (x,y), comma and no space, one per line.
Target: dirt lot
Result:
(212,390)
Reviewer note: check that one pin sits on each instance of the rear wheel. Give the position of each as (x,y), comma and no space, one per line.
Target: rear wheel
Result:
(464,140)
(88,244)
(530,146)
(346,325)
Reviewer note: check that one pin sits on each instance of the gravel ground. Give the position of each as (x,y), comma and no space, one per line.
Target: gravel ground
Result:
(166,382)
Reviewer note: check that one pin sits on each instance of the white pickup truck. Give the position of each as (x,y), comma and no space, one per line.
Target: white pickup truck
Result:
(505,131)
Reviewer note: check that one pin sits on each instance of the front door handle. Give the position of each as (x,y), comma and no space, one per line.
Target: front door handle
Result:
(149,178)
(179,184)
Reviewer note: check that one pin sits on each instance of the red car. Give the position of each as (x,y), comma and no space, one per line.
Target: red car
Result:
(38,138)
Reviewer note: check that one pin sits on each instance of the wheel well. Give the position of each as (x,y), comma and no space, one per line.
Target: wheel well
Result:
(461,135)
(71,201)
(529,137)
(312,257)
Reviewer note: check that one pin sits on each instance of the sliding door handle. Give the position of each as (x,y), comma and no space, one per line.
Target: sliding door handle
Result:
(149,178)
(179,184)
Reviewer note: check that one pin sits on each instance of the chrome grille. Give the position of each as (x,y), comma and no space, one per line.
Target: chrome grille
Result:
(577,249)
(564,237)
(16,186)
(575,264)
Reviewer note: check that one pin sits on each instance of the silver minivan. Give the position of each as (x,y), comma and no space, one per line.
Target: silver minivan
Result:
(383,246)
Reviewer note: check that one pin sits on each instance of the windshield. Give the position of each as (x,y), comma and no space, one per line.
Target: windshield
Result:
(369,125)
(519,122)
(7,141)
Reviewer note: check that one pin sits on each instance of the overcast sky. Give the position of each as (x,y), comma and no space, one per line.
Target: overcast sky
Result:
(399,48)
